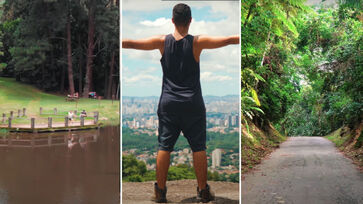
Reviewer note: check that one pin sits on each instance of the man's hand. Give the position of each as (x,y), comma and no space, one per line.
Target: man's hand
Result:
(205,42)
(155,42)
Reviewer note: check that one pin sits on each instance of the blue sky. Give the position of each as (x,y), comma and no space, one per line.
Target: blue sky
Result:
(141,70)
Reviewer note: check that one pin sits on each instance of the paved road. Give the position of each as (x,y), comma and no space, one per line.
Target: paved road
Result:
(304,170)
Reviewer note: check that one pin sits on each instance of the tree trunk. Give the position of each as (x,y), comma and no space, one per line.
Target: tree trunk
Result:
(80,72)
(267,47)
(109,87)
(80,66)
(43,73)
(69,55)
(62,79)
(91,45)
(105,93)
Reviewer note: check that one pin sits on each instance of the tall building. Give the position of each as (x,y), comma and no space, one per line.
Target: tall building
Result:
(233,121)
(236,120)
(134,123)
(230,121)
(216,158)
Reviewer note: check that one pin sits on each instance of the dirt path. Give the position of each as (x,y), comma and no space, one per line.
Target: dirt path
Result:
(183,191)
(304,170)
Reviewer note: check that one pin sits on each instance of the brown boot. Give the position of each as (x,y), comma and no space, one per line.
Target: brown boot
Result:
(160,194)
(205,195)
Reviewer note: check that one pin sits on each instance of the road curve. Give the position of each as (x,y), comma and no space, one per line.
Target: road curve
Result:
(304,170)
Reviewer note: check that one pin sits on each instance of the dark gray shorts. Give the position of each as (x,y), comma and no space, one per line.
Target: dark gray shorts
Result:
(192,126)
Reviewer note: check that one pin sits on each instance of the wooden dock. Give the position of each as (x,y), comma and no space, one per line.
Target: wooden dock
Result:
(48,141)
(72,126)
(43,124)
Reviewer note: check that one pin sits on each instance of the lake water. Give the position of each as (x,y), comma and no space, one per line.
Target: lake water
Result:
(62,167)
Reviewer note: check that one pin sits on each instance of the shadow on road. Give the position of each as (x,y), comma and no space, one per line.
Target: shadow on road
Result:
(219,200)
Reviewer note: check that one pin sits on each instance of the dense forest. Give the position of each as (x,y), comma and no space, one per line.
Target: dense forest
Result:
(61,46)
(302,71)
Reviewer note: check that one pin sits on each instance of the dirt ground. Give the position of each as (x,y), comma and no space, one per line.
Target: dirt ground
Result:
(183,191)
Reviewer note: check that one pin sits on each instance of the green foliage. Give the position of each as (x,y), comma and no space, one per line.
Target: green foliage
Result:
(269,83)
(311,63)
(33,42)
(143,142)
(150,176)
(333,73)
(4,132)
(359,142)
(180,172)
(213,176)
(132,169)
(338,138)
(134,178)
(229,177)
(249,98)
(135,171)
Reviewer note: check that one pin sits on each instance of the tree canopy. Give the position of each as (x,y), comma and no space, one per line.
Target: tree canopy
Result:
(302,66)
(61,46)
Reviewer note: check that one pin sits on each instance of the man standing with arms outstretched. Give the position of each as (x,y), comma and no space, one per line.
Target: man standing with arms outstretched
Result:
(181,106)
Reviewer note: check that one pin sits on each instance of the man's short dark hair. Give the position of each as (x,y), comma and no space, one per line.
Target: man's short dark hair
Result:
(181,14)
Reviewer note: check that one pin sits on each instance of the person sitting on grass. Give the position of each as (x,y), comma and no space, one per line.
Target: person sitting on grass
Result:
(181,106)
(83,114)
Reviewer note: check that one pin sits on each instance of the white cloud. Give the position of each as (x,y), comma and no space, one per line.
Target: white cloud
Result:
(141,78)
(152,57)
(210,77)
(158,22)
(155,5)
(145,5)
(224,59)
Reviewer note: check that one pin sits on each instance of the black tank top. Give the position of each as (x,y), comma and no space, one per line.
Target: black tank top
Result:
(181,90)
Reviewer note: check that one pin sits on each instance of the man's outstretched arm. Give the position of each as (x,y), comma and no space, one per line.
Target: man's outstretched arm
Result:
(155,42)
(206,42)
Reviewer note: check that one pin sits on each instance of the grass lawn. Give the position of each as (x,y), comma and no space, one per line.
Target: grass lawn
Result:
(15,95)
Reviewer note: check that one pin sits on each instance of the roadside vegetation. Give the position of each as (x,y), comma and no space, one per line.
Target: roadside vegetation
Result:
(350,142)
(302,74)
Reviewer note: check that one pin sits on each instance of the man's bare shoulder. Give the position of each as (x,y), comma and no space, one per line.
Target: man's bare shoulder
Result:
(160,37)
(200,38)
